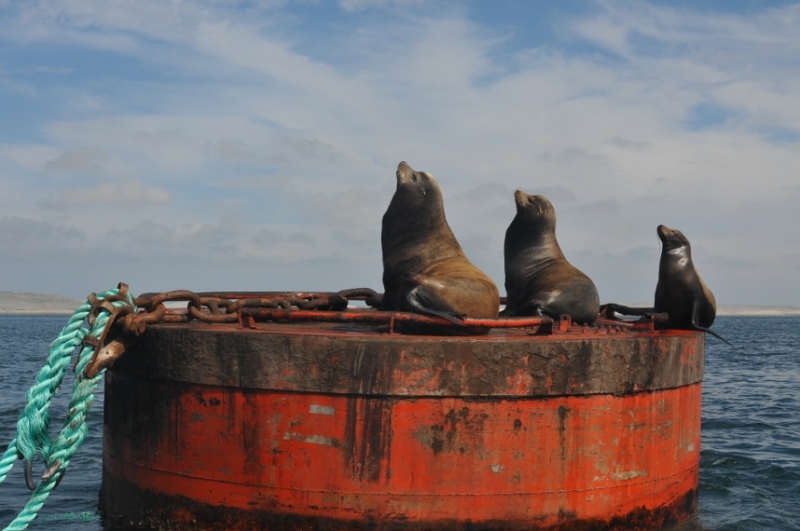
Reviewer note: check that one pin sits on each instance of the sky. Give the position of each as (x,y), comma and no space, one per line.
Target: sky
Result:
(227,145)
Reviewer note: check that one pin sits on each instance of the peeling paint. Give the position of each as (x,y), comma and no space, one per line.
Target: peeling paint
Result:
(313,439)
(316,409)
(631,474)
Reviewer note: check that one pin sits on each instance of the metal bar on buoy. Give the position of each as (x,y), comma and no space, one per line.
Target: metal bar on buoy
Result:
(378,317)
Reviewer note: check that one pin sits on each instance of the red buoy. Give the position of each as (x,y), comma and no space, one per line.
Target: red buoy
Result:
(313,425)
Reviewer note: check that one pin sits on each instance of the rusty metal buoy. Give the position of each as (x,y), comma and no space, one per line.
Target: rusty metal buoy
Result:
(331,425)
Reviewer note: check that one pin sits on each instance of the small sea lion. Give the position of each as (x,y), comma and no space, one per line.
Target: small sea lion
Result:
(539,279)
(424,268)
(680,291)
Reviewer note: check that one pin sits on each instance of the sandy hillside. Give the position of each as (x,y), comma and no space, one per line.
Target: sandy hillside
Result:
(13,302)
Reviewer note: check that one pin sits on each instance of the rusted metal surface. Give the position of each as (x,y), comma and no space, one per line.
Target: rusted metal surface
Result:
(106,356)
(320,357)
(347,426)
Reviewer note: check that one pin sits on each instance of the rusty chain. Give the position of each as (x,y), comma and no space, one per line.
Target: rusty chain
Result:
(126,325)
(217,307)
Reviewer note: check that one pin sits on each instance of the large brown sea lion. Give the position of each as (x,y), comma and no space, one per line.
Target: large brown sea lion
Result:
(424,268)
(680,291)
(539,279)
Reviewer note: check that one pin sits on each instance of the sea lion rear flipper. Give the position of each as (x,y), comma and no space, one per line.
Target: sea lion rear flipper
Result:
(425,301)
(695,312)
(708,330)
(609,309)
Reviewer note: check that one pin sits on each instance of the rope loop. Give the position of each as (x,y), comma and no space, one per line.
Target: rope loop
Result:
(100,311)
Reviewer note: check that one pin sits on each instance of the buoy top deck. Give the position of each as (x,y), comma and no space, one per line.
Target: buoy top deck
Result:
(512,362)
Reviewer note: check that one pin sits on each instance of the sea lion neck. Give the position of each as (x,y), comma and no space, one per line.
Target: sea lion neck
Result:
(525,236)
(674,242)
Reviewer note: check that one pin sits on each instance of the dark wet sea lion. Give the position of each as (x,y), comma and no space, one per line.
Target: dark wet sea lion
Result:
(680,291)
(539,279)
(424,268)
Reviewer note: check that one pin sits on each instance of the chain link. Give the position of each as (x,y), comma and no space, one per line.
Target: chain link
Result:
(219,307)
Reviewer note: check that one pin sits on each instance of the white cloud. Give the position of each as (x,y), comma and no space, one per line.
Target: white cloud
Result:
(129,193)
(362,5)
(301,139)
(28,156)
(184,235)
(29,239)
(267,237)
(352,208)
(81,160)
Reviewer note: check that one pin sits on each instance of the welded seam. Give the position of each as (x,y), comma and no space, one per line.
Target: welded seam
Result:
(374,493)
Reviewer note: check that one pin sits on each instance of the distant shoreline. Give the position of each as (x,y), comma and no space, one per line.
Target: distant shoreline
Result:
(13,303)
(37,312)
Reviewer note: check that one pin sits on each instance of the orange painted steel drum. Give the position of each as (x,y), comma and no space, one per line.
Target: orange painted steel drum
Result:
(325,426)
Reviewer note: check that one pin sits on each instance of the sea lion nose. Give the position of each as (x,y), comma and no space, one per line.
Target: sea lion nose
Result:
(404,171)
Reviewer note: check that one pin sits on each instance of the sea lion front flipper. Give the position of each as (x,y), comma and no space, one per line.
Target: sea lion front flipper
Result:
(695,326)
(424,300)
(532,308)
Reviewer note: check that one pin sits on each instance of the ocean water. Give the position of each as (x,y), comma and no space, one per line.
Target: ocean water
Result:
(750,453)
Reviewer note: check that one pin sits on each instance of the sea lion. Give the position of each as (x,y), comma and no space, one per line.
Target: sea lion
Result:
(424,268)
(539,279)
(680,291)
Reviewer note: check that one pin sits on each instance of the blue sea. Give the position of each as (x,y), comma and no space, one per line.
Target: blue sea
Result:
(750,455)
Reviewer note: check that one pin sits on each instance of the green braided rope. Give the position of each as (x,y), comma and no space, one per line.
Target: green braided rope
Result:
(9,458)
(32,428)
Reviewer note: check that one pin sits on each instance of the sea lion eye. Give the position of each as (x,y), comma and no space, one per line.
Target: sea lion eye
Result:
(414,177)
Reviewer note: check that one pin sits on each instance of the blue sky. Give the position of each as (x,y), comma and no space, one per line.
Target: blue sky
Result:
(252,145)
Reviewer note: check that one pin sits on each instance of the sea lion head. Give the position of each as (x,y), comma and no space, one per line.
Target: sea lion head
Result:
(416,186)
(417,201)
(673,240)
(531,233)
(535,209)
